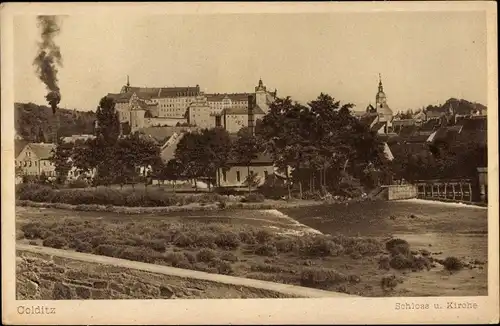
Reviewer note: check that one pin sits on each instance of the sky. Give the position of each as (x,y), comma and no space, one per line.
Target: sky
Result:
(424,57)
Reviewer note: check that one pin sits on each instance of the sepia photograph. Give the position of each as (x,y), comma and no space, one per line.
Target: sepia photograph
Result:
(198,153)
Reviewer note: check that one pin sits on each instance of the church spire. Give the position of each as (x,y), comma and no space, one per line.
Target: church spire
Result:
(380,86)
(128,81)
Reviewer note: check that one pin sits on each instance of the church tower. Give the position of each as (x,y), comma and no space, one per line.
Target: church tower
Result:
(380,99)
(383,110)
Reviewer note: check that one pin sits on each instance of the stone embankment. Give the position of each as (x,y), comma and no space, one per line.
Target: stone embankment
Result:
(54,274)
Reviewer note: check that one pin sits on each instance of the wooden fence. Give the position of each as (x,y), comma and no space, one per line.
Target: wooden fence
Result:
(453,190)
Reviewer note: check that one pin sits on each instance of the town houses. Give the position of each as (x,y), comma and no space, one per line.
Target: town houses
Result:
(165,114)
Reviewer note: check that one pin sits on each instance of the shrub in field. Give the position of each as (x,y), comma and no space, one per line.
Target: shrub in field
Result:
(227,240)
(263,236)
(206,255)
(190,257)
(223,267)
(223,191)
(270,268)
(320,247)
(389,282)
(107,250)
(384,262)
(19,234)
(109,196)
(184,240)
(321,277)
(80,246)
(453,263)
(32,230)
(192,239)
(138,254)
(311,195)
(229,256)
(400,261)
(366,246)
(266,250)
(79,183)
(398,246)
(421,262)
(273,192)
(247,237)
(253,197)
(54,242)
(286,244)
(156,245)
(176,258)
(97,240)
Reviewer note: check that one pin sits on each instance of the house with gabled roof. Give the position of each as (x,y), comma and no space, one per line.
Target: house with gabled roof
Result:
(35,159)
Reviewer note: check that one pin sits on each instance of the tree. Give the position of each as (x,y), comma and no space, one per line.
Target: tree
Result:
(99,154)
(321,141)
(217,152)
(251,181)
(189,154)
(61,157)
(203,153)
(172,171)
(245,150)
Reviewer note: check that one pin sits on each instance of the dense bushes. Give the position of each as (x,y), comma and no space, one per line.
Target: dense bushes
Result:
(213,247)
(453,264)
(108,196)
(401,258)
(322,277)
(253,197)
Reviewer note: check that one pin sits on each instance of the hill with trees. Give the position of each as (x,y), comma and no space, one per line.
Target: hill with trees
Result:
(34,122)
(460,106)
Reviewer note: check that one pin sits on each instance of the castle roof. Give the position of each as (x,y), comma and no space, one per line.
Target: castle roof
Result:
(161,92)
(243,111)
(238,97)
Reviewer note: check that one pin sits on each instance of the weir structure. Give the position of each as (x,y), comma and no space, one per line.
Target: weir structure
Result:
(454,190)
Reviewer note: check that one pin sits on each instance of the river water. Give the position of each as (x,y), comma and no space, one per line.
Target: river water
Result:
(445,229)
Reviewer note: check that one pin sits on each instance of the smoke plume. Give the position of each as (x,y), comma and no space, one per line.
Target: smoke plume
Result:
(49,59)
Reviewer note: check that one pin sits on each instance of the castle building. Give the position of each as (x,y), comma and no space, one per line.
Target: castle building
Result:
(143,107)
(230,111)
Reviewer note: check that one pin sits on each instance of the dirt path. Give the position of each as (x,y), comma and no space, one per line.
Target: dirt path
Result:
(166,270)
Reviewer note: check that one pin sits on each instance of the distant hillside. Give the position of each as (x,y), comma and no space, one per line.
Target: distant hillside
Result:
(459,105)
(33,122)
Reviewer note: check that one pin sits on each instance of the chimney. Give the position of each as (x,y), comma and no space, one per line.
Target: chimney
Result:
(251,120)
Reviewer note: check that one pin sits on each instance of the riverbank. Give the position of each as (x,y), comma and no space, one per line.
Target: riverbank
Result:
(215,206)
(283,246)
(449,202)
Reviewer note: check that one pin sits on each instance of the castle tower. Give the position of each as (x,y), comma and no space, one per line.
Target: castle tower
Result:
(251,117)
(261,95)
